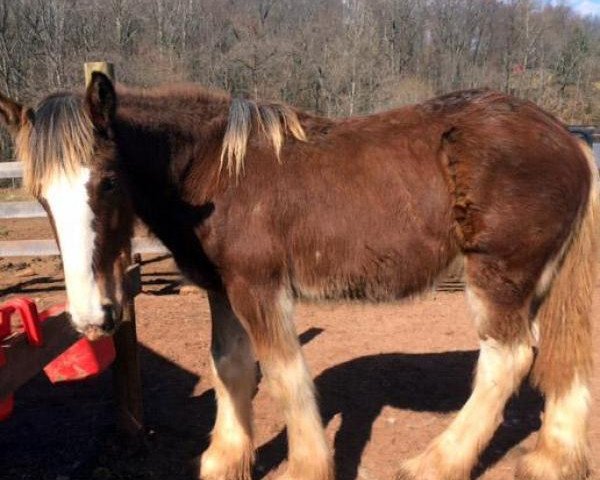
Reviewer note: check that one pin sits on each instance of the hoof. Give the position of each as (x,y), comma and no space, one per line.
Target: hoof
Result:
(541,465)
(430,466)
(405,474)
(223,463)
(309,471)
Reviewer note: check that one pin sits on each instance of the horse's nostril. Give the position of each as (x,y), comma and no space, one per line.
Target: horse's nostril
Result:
(109,318)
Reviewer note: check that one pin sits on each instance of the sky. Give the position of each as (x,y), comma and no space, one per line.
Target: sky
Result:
(586,7)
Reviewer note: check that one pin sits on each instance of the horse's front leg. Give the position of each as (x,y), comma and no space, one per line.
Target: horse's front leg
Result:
(231,451)
(266,312)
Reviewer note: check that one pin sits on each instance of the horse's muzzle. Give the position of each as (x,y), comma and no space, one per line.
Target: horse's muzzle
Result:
(110,319)
(110,322)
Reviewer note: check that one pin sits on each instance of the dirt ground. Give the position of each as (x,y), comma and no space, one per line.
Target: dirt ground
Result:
(390,377)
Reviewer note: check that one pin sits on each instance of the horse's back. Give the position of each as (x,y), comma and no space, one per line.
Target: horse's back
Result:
(376,207)
(361,210)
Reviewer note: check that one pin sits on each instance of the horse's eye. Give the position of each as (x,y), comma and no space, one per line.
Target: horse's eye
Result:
(108,185)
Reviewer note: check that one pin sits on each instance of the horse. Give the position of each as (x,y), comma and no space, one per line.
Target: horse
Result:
(262,204)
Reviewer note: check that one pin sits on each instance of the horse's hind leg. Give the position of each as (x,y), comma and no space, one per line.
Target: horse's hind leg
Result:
(267,315)
(231,452)
(561,452)
(505,359)
(563,365)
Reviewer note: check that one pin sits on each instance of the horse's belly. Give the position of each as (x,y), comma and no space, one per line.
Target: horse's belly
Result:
(374,263)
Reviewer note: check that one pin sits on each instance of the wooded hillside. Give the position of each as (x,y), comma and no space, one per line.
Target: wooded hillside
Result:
(336,57)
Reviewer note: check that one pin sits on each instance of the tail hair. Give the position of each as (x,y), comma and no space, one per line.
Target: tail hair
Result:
(565,344)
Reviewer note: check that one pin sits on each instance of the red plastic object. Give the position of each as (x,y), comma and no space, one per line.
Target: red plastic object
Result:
(31,325)
(83,359)
(5,315)
(6,311)
(4,332)
(52,311)
(6,407)
(6,404)
(29,317)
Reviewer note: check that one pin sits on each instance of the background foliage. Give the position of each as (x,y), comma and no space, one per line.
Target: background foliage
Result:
(334,57)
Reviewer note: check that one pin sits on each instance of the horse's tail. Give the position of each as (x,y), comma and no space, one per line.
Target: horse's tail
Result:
(565,344)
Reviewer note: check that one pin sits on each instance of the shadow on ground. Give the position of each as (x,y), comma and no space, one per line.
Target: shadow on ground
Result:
(67,432)
(163,283)
(433,382)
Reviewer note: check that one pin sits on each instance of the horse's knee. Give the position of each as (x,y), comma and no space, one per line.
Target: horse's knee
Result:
(234,367)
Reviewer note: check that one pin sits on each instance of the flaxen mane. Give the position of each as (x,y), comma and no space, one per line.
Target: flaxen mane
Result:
(60,140)
(273,120)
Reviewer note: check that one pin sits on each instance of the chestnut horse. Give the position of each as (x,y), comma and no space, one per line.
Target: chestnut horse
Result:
(262,204)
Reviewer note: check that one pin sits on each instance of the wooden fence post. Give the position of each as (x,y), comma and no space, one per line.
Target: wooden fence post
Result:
(106,68)
(126,368)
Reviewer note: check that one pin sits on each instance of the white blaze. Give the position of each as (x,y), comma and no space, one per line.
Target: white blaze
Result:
(67,198)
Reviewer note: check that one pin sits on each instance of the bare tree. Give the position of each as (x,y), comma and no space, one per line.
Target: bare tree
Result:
(336,57)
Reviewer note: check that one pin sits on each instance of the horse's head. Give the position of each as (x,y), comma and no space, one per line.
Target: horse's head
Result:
(69,156)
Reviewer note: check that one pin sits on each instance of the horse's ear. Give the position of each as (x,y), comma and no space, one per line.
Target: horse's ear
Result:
(101,101)
(13,115)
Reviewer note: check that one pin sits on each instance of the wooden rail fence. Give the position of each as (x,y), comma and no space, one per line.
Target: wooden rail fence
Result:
(46,247)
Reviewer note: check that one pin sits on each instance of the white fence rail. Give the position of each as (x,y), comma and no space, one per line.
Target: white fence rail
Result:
(21,210)
(43,247)
(46,247)
(11,170)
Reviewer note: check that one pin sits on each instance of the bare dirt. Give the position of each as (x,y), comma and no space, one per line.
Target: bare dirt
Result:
(390,377)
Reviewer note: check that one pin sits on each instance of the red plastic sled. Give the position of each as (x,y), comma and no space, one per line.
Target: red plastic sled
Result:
(82,360)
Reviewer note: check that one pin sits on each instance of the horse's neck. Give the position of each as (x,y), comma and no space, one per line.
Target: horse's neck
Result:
(158,161)
(159,149)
